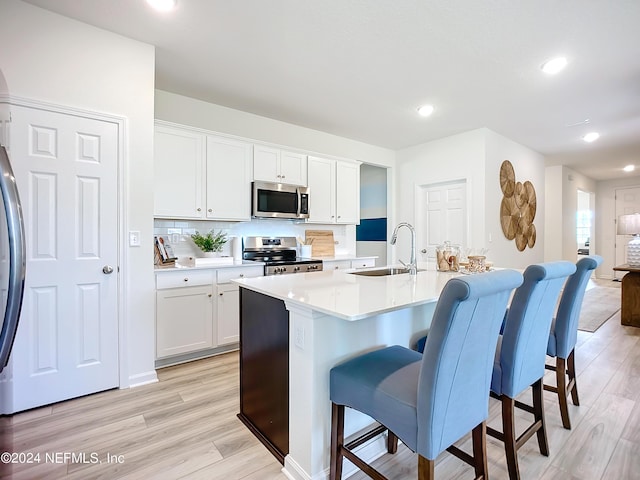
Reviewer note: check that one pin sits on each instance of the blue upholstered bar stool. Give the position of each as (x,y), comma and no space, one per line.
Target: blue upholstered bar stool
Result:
(429,401)
(564,335)
(521,354)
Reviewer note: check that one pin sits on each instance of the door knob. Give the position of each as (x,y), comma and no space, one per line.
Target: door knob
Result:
(107,269)
(424,250)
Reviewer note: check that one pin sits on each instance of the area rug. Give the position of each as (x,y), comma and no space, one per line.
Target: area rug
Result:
(598,306)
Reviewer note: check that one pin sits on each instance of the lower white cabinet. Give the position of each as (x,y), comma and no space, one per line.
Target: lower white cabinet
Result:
(197,310)
(362,262)
(184,320)
(228,313)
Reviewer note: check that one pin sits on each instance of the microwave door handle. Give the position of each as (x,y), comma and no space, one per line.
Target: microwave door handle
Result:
(299,195)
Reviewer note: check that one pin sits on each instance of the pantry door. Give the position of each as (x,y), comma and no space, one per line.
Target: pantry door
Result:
(66,168)
(442,216)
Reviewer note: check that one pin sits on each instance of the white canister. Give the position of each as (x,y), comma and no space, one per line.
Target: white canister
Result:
(305,251)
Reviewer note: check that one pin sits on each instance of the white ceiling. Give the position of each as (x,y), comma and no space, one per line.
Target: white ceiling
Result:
(360,68)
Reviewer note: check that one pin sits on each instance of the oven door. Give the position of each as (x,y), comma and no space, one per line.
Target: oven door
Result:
(275,200)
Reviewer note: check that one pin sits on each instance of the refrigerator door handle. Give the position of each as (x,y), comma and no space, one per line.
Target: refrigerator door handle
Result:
(17,257)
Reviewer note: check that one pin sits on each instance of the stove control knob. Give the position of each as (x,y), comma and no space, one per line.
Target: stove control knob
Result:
(296,269)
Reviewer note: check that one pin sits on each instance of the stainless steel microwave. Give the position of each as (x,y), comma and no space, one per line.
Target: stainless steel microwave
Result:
(277,200)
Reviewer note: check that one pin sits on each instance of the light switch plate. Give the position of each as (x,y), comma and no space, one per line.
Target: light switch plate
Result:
(134,238)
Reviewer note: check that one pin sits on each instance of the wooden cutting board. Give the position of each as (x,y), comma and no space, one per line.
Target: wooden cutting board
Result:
(322,243)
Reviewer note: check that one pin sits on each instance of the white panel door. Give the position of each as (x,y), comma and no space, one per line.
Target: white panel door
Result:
(67,342)
(293,168)
(266,164)
(627,201)
(444,217)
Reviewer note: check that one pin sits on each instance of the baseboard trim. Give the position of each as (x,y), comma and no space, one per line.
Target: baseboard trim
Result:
(143,379)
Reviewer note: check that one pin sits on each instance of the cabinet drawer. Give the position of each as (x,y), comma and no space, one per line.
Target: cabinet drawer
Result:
(363,263)
(189,278)
(225,275)
(338,265)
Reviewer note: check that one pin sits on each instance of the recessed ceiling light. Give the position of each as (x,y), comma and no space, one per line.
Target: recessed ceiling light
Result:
(554,65)
(629,168)
(163,5)
(591,137)
(425,110)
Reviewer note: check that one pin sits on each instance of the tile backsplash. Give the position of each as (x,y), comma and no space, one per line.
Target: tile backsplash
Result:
(179,232)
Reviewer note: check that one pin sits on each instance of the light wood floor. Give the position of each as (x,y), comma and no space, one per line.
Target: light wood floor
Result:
(185,426)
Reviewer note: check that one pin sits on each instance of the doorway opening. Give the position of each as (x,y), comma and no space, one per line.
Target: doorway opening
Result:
(584,224)
(371,233)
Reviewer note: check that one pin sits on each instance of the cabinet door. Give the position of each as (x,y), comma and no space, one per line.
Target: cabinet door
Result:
(228,313)
(228,179)
(293,168)
(266,164)
(178,173)
(347,193)
(184,320)
(321,190)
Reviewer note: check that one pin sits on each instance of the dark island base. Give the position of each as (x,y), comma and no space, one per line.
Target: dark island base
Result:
(264,370)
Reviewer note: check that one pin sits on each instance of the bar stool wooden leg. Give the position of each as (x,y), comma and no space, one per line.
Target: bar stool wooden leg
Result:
(561,381)
(392,442)
(571,370)
(337,441)
(509,432)
(425,468)
(481,466)
(538,414)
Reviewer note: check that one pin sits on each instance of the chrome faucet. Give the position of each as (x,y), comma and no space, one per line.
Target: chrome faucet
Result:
(412,265)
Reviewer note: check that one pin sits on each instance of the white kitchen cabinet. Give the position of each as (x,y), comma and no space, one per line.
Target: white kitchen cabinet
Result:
(279,166)
(179,162)
(228,313)
(361,262)
(364,262)
(228,186)
(184,320)
(334,190)
(201,176)
(228,300)
(336,264)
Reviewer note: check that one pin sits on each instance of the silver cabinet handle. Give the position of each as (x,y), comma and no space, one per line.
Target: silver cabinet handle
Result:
(210,210)
(424,250)
(107,269)
(186,279)
(221,294)
(199,209)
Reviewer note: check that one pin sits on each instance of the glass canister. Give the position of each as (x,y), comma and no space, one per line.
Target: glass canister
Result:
(448,257)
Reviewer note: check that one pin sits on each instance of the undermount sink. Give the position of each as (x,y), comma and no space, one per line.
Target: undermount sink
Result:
(381,272)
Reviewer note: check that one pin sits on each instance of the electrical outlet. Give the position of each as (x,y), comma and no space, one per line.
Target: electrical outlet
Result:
(299,337)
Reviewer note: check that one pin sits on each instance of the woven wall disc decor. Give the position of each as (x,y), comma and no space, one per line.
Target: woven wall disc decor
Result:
(517,208)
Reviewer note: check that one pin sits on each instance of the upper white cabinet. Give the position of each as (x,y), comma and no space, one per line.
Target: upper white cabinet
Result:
(228,179)
(179,162)
(200,176)
(279,166)
(334,191)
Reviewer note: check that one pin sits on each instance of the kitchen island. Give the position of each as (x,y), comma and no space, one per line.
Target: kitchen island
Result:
(295,328)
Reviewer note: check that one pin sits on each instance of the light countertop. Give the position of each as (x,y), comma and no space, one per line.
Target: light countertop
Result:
(346,256)
(181,267)
(352,297)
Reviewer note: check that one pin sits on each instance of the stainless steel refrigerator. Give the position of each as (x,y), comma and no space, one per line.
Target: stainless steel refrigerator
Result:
(12,258)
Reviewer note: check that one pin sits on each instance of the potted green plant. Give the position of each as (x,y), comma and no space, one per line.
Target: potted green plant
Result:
(211,243)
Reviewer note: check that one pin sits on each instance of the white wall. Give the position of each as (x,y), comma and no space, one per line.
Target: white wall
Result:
(605,221)
(51,58)
(459,157)
(476,157)
(561,196)
(528,165)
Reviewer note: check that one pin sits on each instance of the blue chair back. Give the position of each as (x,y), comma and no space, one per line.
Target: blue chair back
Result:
(566,322)
(527,324)
(455,373)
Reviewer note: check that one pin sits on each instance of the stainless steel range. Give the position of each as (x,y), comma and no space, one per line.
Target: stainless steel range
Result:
(279,255)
